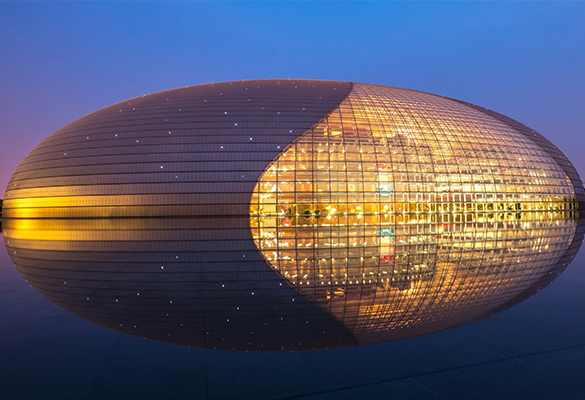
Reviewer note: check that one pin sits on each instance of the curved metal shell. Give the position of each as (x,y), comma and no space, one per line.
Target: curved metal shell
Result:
(290,214)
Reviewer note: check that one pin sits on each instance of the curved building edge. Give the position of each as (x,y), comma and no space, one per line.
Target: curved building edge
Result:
(561,159)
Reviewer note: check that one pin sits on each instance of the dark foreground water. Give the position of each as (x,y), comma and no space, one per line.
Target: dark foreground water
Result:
(536,350)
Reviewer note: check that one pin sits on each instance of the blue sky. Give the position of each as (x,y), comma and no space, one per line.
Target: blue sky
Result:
(60,61)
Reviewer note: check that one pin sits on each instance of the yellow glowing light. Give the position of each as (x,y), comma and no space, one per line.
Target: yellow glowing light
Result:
(375,207)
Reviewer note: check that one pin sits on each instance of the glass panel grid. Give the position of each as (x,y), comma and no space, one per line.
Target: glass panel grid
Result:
(402,213)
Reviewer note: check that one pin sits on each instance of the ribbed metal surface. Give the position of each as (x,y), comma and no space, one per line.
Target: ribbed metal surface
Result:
(195,154)
(192,151)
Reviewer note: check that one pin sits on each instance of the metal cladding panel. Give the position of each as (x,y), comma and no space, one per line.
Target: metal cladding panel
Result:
(190,152)
(290,215)
(165,138)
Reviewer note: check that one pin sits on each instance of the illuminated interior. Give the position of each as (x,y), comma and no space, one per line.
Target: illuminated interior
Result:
(400,209)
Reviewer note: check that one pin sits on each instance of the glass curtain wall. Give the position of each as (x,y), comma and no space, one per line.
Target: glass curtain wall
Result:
(400,209)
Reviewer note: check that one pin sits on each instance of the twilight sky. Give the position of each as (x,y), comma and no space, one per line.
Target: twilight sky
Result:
(61,61)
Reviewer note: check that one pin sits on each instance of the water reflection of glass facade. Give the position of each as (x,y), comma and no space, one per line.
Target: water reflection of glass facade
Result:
(291,214)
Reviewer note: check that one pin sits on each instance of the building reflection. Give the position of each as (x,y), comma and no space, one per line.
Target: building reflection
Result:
(163,280)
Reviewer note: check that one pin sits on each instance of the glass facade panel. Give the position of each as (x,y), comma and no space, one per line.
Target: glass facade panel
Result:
(401,210)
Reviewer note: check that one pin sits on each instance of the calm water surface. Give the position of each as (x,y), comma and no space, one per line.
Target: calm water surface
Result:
(535,350)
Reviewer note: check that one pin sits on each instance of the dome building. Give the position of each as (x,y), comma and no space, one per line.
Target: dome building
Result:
(291,214)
